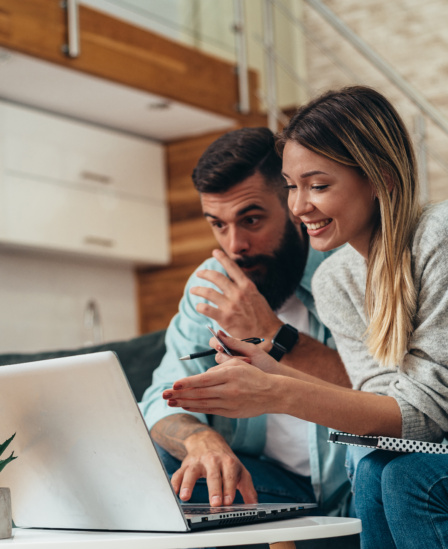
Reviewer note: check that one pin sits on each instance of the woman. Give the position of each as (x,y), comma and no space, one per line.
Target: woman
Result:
(352,179)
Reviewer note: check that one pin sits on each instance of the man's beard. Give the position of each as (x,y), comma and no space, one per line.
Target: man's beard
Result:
(280,272)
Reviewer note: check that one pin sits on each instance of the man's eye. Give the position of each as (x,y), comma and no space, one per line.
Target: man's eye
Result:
(252,220)
(217,225)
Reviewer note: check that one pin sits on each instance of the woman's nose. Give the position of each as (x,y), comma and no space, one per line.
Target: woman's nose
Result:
(299,204)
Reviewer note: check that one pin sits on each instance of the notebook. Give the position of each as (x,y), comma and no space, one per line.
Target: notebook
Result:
(389,443)
(85,457)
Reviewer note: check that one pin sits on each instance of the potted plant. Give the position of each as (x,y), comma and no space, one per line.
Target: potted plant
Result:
(5,495)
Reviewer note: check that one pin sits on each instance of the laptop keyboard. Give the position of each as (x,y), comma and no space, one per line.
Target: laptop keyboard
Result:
(212,510)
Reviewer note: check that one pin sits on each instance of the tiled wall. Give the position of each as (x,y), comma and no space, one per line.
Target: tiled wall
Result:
(411,36)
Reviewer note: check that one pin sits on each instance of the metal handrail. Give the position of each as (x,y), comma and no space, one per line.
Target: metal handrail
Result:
(387,70)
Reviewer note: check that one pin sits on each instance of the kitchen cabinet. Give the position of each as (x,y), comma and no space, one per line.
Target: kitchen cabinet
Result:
(71,187)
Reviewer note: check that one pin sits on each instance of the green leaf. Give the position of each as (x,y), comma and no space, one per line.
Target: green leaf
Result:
(5,445)
(4,462)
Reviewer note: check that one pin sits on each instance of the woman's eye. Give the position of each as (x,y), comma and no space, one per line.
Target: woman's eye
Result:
(290,187)
(319,187)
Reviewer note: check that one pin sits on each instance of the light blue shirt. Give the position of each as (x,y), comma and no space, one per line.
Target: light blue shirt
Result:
(187,333)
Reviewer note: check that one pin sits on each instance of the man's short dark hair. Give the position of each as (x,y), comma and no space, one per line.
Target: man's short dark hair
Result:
(237,155)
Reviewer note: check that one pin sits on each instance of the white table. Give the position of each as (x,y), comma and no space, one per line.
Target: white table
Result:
(279,534)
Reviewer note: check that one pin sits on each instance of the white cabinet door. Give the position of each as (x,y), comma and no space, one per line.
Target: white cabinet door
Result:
(72,187)
(141,230)
(44,215)
(51,147)
(59,218)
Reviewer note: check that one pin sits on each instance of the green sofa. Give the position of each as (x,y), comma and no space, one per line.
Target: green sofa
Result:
(139,357)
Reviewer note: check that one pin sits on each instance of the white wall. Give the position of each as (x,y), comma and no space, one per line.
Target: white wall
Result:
(43,299)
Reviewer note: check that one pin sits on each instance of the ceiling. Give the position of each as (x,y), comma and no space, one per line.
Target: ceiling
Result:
(30,81)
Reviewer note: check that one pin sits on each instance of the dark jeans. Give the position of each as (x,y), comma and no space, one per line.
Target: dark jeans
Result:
(402,500)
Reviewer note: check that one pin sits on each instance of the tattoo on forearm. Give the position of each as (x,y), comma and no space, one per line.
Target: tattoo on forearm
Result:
(171,432)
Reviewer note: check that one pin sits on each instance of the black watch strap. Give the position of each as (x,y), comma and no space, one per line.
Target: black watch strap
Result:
(284,340)
(276,352)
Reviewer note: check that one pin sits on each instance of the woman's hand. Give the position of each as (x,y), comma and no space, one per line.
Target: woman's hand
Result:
(248,352)
(233,389)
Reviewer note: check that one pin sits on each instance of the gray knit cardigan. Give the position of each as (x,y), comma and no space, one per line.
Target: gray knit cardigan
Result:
(420,382)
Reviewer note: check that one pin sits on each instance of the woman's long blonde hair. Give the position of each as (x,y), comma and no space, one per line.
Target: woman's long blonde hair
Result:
(358,127)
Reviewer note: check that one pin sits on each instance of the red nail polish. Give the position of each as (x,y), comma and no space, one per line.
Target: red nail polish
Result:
(177,386)
(172,402)
(166,396)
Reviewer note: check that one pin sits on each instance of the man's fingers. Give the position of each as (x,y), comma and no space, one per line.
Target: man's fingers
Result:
(230,478)
(232,269)
(176,480)
(214,483)
(220,280)
(189,479)
(209,294)
(246,488)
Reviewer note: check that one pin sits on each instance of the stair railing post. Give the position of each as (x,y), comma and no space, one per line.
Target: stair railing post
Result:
(239,29)
(270,76)
(72,48)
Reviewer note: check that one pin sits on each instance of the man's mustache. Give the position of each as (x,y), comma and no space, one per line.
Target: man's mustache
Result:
(248,262)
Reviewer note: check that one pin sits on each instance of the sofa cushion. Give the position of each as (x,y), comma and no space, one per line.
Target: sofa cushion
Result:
(139,357)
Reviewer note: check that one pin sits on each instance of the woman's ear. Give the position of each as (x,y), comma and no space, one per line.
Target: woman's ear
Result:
(389,184)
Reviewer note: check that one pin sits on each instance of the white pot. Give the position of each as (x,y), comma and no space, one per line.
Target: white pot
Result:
(5,513)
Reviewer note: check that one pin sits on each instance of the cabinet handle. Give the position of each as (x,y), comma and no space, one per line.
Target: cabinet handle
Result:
(97,177)
(99,241)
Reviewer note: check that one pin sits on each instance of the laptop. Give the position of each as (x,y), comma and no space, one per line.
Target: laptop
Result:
(85,457)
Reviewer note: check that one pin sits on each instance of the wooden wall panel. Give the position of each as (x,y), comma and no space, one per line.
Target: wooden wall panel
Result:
(160,290)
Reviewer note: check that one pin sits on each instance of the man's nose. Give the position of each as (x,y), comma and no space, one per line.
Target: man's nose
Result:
(238,242)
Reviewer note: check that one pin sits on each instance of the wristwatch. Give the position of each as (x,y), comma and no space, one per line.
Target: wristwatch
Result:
(284,340)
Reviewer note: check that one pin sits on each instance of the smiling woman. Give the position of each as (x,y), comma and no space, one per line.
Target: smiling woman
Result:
(352,180)
(319,191)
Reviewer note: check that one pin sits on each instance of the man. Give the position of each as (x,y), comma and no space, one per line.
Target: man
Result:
(257,285)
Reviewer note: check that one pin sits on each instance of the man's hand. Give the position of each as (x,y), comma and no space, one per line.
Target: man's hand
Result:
(209,456)
(204,454)
(240,309)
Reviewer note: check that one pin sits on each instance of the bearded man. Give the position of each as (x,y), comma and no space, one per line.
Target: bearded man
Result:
(256,285)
